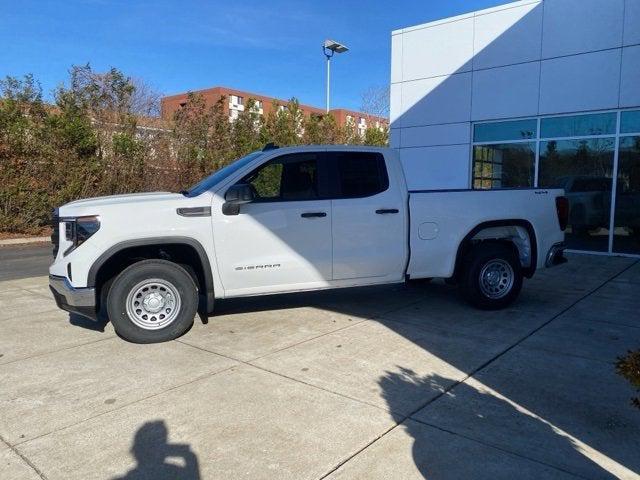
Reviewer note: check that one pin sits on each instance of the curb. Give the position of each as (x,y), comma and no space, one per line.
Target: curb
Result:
(21,241)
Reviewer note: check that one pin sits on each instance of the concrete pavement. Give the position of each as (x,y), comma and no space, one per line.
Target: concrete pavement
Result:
(400,382)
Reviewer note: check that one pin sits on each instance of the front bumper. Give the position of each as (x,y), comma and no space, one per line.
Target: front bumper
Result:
(556,255)
(74,300)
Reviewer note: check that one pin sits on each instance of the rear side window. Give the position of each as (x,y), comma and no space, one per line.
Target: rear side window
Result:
(360,174)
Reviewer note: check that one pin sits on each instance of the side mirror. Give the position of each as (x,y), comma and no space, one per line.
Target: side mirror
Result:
(237,195)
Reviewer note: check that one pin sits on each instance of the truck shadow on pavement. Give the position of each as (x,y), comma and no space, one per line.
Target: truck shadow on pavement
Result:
(159,460)
(83,322)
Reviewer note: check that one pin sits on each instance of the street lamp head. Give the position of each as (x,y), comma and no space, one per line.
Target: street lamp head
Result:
(334,46)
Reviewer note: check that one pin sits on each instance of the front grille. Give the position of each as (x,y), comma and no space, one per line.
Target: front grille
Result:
(55,234)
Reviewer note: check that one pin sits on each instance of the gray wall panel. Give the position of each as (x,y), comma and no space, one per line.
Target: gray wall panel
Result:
(630,82)
(579,26)
(436,100)
(506,92)
(582,82)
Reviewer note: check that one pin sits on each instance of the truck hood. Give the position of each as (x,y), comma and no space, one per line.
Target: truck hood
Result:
(97,203)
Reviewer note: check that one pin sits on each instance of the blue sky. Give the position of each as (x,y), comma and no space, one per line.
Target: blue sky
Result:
(270,47)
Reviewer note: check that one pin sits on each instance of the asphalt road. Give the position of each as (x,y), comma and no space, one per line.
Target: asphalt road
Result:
(22,261)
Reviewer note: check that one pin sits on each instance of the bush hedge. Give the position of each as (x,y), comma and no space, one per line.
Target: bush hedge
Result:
(92,141)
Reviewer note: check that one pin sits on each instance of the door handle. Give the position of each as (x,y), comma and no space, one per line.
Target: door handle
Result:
(384,211)
(313,214)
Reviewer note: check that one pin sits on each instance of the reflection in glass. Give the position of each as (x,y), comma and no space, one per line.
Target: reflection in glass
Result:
(630,122)
(579,125)
(626,237)
(502,131)
(503,165)
(584,168)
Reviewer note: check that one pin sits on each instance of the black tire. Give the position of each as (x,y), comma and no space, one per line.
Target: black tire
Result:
(491,254)
(184,288)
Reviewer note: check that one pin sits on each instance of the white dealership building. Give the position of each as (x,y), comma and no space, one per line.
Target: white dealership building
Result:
(542,93)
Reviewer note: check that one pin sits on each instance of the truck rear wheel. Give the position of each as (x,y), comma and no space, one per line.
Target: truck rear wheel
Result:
(152,301)
(493,276)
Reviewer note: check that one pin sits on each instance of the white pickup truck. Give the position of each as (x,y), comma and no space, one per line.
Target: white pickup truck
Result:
(290,220)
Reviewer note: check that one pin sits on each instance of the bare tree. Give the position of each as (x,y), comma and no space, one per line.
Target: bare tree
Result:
(375,101)
(145,100)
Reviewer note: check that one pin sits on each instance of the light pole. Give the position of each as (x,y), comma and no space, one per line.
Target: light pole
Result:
(329,48)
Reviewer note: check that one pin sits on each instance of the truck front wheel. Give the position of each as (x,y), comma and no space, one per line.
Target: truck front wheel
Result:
(152,301)
(493,276)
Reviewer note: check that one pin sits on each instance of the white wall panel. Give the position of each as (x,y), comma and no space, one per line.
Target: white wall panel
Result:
(434,23)
(438,50)
(432,168)
(630,82)
(395,136)
(449,134)
(577,26)
(508,36)
(396,58)
(436,100)
(632,22)
(506,92)
(583,82)
(395,104)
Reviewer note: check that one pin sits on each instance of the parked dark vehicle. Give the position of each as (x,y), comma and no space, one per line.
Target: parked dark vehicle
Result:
(589,202)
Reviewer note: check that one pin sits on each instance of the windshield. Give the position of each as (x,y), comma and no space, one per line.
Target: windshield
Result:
(218,176)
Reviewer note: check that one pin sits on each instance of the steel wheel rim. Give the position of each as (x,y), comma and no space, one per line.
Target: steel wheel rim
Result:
(496,279)
(153,304)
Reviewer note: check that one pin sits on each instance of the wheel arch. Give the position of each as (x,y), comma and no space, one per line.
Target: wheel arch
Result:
(182,250)
(470,240)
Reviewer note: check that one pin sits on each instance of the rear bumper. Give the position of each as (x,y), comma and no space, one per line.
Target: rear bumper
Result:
(555,256)
(75,300)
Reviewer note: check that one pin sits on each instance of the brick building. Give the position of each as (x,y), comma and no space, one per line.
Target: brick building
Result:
(236,100)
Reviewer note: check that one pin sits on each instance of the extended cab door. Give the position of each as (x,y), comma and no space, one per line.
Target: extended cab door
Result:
(369,218)
(282,240)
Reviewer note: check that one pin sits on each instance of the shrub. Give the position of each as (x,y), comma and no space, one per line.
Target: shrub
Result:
(629,368)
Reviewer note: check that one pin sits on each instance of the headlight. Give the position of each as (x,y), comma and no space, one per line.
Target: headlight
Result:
(79,230)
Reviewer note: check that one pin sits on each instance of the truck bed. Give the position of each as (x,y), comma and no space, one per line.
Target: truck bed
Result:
(440,220)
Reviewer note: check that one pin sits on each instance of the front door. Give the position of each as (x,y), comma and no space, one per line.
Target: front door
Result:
(282,240)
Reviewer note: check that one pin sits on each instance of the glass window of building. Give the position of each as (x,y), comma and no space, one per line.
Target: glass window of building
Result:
(504,165)
(505,156)
(584,168)
(504,131)
(576,153)
(630,122)
(578,126)
(626,235)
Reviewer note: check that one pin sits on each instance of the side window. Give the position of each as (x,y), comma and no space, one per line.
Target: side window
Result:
(267,181)
(287,178)
(360,174)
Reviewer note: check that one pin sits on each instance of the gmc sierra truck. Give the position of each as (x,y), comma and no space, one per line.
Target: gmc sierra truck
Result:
(290,220)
